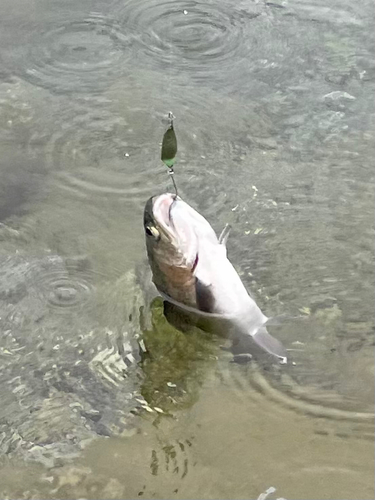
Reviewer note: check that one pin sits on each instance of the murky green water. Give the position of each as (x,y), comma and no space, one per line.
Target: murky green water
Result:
(275,123)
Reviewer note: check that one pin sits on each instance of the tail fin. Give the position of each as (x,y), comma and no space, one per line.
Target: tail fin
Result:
(269,344)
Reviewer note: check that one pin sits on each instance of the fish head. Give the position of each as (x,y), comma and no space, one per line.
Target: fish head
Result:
(172,246)
(172,239)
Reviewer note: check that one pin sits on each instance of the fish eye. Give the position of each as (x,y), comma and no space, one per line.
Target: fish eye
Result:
(152,231)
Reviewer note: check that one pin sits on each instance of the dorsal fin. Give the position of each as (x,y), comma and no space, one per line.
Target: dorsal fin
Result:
(223,238)
(194,310)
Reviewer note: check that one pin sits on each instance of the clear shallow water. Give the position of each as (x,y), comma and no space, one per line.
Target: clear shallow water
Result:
(275,127)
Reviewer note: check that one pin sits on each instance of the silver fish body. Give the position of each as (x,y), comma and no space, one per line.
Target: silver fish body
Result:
(192,271)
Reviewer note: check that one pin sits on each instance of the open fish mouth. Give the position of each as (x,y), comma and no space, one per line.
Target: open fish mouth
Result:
(162,208)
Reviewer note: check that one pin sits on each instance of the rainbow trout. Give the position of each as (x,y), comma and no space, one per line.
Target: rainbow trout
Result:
(191,270)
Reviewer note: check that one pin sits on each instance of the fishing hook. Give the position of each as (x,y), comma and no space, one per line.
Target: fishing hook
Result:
(171,173)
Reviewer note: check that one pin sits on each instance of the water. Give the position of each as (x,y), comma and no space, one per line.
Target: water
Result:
(275,124)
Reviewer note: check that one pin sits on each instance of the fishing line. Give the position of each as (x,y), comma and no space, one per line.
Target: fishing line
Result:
(171,173)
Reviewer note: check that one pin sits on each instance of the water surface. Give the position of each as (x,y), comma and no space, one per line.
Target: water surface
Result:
(275,123)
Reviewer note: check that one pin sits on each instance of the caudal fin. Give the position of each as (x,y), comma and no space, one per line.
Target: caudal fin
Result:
(269,344)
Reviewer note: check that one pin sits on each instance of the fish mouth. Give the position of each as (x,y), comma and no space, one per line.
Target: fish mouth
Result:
(162,208)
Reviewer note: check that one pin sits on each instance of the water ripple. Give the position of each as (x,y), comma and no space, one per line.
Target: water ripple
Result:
(93,152)
(79,56)
(175,36)
(328,408)
(63,286)
(32,283)
(93,182)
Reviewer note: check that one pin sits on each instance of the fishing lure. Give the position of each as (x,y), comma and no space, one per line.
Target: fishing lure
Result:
(169,149)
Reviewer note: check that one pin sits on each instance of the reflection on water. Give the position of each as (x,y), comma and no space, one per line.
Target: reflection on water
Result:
(275,131)
(175,363)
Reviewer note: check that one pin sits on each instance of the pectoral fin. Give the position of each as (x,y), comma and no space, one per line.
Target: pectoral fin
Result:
(196,311)
(269,344)
(205,298)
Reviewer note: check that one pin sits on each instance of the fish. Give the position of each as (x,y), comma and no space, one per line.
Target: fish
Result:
(191,270)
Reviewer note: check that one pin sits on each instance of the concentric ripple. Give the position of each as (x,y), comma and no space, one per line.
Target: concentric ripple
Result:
(86,136)
(64,285)
(176,35)
(80,56)
(67,292)
(93,183)
(94,151)
(327,407)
